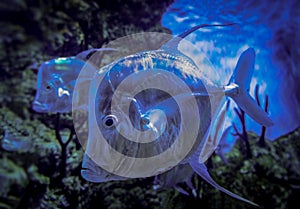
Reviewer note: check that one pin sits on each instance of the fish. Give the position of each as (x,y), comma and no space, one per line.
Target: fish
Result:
(56,79)
(151,109)
(15,142)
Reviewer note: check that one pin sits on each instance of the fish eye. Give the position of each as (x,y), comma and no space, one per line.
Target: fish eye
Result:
(110,121)
(145,120)
(49,86)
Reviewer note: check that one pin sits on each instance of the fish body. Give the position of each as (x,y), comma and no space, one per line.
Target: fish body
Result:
(155,111)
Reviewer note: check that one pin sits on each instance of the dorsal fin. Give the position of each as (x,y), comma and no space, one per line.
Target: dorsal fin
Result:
(174,42)
(85,55)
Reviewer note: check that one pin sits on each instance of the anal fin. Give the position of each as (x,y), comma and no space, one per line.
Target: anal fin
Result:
(201,170)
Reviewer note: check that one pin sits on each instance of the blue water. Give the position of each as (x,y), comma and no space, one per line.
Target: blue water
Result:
(272,28)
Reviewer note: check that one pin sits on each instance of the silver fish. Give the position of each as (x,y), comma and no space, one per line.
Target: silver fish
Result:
(56,80)
(15,142)
(152,108)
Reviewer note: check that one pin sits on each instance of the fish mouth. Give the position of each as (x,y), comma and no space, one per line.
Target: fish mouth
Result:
(92,172)
(91,176)
(99,177)
(39,107)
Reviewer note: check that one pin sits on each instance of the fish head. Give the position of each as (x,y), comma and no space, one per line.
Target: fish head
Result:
(121,133)
(132,115)
(55,84)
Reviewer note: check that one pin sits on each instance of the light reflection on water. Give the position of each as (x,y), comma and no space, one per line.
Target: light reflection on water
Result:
(272,28)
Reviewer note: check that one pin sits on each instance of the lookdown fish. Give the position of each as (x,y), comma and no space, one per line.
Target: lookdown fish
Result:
(15,142)
(56,80)
(155,111)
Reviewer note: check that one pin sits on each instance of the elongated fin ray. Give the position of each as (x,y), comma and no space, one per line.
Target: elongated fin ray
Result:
(181,190)
(174,42)
(201,170)
(85,55)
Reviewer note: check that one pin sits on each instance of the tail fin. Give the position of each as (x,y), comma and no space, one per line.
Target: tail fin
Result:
(242,78)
